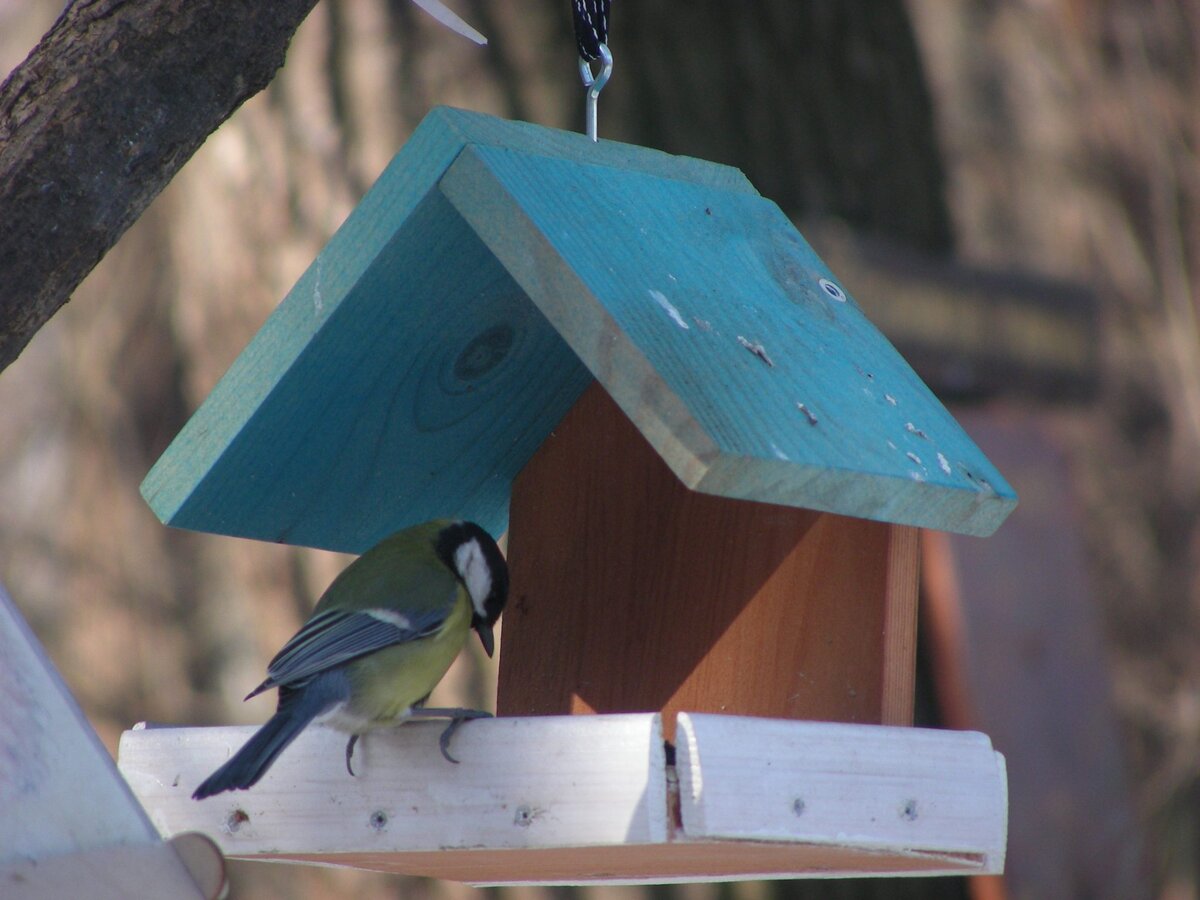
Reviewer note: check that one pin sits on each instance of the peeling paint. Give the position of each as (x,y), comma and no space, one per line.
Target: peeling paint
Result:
(808,413)
(757,349)
(661,299)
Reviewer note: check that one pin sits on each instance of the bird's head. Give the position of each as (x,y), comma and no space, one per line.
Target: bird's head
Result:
(472,554)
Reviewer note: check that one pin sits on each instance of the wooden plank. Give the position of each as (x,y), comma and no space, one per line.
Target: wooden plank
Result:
(682,600)
(541,782)
(404,377)
(119,872)
(702,861)
(64,804)
(899,630)
(869,787)
(58,787)
(397,411)
(548,800)
(711,322)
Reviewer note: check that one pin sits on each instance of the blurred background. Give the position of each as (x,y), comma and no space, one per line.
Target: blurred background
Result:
(1012,192)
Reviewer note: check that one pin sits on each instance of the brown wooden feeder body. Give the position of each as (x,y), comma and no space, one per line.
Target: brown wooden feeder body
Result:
(680,600)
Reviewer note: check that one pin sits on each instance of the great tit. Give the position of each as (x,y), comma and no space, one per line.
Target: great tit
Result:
(380,638)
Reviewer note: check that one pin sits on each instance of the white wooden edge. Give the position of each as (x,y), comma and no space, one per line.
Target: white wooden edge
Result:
(935,797)
(554,781)
(67,818)
(901,790)
(120,871)
(58,788)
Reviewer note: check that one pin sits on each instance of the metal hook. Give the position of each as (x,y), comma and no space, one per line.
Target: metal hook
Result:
(595,84)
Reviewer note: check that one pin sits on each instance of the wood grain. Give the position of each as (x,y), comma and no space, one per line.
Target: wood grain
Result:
(395,411)
(632,593)
(755,779)
(533,782)
(702,861)
(900,609)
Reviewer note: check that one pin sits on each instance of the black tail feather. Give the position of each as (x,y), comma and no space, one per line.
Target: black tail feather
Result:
(243,770)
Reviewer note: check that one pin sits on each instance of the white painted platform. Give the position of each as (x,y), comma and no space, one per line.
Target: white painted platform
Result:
(580,799)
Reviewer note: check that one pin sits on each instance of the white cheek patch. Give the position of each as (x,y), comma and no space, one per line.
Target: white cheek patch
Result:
(475,572)
(390,617)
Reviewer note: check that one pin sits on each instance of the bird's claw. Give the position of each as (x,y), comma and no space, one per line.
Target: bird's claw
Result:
(456,717)
(456,721)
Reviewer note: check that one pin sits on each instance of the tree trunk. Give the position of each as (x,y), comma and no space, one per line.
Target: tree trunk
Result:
(823,104)
(100,116)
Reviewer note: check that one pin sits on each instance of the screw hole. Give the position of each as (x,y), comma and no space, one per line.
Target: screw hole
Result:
(523,817)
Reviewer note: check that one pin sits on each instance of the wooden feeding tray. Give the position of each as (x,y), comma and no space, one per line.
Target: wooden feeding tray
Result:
(579,799)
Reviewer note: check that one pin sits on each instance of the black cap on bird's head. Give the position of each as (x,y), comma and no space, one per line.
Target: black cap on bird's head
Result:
(471,554)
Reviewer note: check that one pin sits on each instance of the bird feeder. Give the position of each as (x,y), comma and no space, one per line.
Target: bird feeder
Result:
(712,470)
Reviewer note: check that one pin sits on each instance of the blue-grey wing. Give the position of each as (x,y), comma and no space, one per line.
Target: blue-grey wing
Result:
(335,637)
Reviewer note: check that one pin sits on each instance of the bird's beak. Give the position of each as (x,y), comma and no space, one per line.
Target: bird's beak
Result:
(486,638)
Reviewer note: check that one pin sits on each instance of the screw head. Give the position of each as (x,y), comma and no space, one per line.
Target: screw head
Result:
(832,290)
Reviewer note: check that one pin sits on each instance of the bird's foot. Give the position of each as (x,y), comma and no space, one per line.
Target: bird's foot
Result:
(350,754)
(456,716)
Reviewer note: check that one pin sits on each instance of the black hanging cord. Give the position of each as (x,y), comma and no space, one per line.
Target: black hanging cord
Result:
(591,26)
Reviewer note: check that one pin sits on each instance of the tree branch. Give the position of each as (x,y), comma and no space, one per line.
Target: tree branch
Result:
(98,118)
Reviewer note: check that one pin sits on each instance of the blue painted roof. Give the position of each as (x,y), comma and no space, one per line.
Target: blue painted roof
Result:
(493,270)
